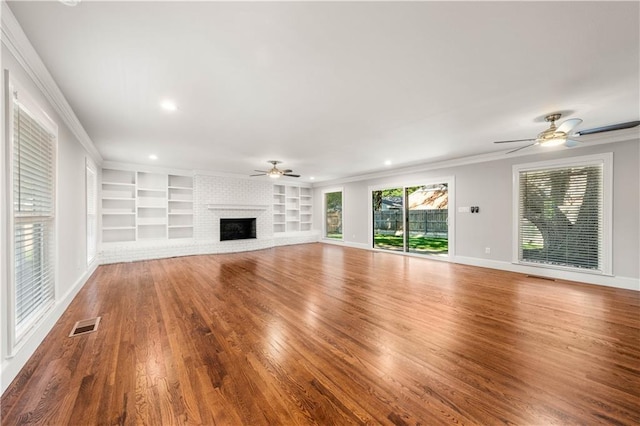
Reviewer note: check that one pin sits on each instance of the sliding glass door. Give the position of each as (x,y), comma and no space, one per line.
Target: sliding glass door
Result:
(412,219)
(427,219)
(388,219)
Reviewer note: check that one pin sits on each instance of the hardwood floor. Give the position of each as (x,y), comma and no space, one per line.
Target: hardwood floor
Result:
(320,334)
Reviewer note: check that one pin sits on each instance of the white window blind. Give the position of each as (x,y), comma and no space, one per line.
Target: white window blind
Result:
(33,218)
(92,200)
(561,213)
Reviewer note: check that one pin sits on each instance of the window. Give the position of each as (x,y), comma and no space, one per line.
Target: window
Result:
(563,213)
(333,214)
(32,165)
(92,221)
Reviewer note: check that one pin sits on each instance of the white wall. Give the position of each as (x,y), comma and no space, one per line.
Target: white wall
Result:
(488,185)
(71,268)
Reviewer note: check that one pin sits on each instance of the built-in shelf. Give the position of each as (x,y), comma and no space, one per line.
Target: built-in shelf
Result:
(118,234)
(145,206)
(152,231)
(118,205)
(292,206)
(180,206)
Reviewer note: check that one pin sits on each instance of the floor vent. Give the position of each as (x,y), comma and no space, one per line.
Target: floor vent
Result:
(85,326)
(540,278)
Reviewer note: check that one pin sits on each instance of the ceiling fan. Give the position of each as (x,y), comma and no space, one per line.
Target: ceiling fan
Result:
(559,135)
(275,172)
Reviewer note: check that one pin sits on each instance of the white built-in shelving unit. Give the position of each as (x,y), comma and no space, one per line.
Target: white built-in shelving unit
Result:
(180,206)
(118,205)
(292,206)
(305,209)
(139,206)
(279,206)
(152,206)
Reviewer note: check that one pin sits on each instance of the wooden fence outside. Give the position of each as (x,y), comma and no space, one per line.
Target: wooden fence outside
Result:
(428,222)
(334,223)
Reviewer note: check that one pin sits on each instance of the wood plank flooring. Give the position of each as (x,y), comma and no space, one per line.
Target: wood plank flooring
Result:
(321,334)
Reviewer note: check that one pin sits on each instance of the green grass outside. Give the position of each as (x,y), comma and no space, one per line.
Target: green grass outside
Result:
(423,244)
(532,246)
(335,236)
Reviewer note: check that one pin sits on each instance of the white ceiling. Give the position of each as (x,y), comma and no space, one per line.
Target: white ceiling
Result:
(333,89)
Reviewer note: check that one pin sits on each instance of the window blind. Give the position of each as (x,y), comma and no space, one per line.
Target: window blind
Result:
(33,218)
(561,216)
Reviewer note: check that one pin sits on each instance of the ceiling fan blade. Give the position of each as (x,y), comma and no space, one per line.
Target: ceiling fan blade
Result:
(261,174)
(571,143)
(619,126)
(515,140)
(288,174)
(568,125)
(261,171)
(287,171)
(522,147)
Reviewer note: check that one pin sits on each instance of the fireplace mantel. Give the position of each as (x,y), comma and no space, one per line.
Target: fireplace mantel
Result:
(237,206)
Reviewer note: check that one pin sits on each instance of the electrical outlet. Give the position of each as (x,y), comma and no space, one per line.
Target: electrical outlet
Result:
(463,209)
(487,250)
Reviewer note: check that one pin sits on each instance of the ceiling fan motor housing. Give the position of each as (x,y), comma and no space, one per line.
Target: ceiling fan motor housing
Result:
(551,136)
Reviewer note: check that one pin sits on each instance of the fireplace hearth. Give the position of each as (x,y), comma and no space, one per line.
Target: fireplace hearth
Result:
(237,229)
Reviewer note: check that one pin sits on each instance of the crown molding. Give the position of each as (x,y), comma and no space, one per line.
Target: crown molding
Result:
(626,135)
(147,168)
(16,41)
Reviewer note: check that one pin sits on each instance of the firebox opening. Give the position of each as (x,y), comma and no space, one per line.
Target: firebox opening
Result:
(237,229)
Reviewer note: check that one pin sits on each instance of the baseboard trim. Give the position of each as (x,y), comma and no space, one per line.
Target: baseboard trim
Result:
(134,252)
(603,280)
(345,243)
(11,367)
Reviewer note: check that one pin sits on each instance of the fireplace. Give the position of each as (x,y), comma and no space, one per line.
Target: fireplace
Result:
(237,229)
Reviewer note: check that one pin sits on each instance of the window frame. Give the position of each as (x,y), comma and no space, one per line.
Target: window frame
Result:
(91,246)
(326,191)
(450,180)
(31,107)
(606,160)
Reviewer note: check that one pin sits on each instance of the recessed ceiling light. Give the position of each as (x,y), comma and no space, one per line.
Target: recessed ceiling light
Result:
(69,2)
(168,105)
(153,157)
(311,178)
(387,163)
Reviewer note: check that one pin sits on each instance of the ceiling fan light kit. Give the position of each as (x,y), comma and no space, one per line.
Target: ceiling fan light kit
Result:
(275,172)
(555,136)
(553,142)
(559,135)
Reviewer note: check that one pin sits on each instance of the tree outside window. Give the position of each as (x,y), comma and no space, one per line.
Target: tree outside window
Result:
(562,214)
(333,214)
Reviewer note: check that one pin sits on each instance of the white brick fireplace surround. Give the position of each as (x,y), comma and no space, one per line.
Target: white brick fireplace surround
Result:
(215,197)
